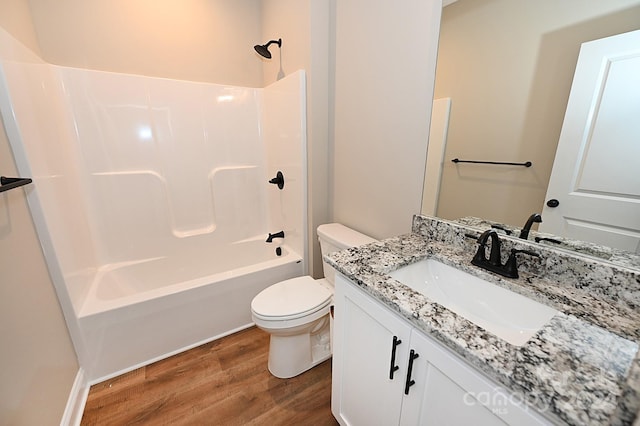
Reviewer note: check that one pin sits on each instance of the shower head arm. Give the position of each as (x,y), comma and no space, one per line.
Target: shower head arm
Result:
(278,42)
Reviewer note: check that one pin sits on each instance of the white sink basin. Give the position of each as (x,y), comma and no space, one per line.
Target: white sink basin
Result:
(506,314)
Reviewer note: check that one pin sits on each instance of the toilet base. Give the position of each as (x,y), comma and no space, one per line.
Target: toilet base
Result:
(293,354)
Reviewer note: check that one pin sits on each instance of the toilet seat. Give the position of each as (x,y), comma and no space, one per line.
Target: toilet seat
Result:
(291,299)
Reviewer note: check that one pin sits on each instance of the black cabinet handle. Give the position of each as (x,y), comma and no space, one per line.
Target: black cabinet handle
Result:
(412,356)
(394,367)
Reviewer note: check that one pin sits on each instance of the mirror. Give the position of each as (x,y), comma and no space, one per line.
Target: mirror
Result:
(507,68)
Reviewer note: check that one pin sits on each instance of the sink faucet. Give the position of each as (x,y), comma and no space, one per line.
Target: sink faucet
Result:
(524,234)
(511,267)
(480,259)
(494,263)
(276,235)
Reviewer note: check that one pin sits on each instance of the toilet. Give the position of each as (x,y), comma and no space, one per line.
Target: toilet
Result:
(295,312)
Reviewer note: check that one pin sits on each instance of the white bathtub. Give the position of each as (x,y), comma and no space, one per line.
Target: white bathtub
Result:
(140,186)
(142,311)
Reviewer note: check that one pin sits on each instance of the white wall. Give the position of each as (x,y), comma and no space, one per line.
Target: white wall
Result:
(38,361)
(384,72)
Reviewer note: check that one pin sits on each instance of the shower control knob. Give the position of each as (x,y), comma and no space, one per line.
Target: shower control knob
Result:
(278,180)
(553,203)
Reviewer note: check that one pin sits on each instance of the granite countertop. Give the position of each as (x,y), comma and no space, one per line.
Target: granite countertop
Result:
(582,367)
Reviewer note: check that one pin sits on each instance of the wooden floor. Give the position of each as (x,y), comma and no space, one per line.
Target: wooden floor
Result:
(225,382)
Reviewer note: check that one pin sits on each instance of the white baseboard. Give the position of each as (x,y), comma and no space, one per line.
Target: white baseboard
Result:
(77,399)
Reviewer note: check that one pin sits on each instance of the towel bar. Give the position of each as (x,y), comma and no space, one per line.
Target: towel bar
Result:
(527,164)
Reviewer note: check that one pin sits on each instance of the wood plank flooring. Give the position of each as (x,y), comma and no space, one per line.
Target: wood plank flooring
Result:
(225,382)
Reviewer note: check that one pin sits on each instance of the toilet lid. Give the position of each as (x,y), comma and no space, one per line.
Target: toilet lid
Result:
(291,298)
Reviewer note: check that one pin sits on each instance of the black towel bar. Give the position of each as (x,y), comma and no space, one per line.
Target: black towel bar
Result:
(7,183)
(527,164)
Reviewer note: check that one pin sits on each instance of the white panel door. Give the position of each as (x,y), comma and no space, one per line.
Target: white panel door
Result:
(596,173)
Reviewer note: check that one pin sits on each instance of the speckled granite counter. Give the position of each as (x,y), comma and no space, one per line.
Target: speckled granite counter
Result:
(582,367)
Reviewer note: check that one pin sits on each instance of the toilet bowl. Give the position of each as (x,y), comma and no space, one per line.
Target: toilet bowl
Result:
(295,312)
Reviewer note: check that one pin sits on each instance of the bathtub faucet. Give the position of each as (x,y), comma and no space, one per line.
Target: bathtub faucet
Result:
(276,235)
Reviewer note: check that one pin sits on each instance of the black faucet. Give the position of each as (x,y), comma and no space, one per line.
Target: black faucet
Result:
(524,234)
(494,263)
(511,267)
(551,240)
(480,259)
(276,235)
(502,228)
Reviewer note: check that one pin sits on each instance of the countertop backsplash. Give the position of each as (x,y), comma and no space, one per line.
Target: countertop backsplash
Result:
(610,254)
(604,280)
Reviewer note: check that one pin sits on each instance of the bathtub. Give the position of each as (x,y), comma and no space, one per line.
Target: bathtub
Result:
(143,187)
(141,311)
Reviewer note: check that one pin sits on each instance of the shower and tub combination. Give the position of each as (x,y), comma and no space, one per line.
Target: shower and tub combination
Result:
(153,203)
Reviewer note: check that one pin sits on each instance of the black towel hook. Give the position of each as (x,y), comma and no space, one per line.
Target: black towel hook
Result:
(7,183)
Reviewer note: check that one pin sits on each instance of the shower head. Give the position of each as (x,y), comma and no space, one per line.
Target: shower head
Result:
(263,49)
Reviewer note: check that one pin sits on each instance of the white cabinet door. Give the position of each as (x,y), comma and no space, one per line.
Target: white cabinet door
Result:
(430,386)
(436,398)
(364,394)
(447,391)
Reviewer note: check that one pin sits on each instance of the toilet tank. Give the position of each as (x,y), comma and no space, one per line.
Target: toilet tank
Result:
(335,237)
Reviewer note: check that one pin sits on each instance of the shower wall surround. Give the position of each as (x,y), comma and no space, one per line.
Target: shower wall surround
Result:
(166,160)
(129,168)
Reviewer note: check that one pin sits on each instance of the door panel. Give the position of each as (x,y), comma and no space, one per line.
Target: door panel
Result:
(595,174)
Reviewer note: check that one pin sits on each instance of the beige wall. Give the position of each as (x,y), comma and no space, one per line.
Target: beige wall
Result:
(288,20)
(38,361)
(39,364)
(507,67)
(15,18)
(384,71)
(200,40)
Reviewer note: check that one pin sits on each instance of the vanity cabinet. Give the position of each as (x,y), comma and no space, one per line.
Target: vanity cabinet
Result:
(386,372)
